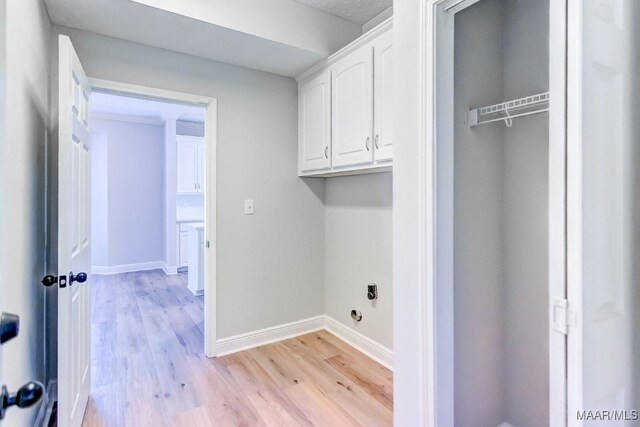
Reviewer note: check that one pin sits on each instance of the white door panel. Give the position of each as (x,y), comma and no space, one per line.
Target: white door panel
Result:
(603,190)
(74,248)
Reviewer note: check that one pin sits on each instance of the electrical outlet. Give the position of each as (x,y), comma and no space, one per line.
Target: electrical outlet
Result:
(248,207)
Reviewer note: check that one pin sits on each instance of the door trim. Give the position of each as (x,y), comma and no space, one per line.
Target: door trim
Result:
(211,141)
(574,207)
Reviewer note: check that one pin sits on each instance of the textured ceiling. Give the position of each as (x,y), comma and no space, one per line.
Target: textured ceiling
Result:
(358,11)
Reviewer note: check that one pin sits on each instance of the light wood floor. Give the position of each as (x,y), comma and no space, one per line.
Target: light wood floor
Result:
(148,368)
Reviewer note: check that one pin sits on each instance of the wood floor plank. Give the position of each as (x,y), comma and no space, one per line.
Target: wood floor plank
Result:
(149,368)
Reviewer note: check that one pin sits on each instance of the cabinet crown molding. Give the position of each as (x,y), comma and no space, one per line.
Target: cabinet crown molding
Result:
(345,51)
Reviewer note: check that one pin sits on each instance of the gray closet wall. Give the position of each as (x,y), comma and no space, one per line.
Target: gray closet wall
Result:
(501,219)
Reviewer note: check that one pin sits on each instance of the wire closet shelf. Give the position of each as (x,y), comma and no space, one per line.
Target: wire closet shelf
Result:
(507,111)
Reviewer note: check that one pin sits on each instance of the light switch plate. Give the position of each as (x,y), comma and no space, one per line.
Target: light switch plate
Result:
(248,207)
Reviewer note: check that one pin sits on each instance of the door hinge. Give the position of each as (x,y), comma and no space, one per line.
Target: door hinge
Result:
(562,316)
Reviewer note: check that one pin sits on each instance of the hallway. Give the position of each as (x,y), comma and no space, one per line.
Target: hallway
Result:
(148,367)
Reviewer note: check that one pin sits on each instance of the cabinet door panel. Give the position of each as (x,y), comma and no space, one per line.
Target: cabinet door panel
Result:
(314,124)
(184,249)
(187,167)
(383,97)
(352,109)
(201,167)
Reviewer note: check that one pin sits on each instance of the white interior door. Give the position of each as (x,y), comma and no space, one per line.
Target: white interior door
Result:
(603,218)
(74,249)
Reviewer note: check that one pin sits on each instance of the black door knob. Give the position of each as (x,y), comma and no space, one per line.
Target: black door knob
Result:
(80,278)
(27,396)
(49,280)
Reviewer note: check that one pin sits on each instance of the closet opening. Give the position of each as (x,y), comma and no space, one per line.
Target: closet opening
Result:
(493,212)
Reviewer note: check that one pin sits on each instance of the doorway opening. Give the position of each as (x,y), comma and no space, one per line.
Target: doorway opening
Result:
(153,224)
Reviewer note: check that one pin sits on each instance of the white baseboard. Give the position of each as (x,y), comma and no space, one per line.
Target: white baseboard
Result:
(366,345)
(46,405)
(198,292)
(169,270)
(270,335)
(127,268)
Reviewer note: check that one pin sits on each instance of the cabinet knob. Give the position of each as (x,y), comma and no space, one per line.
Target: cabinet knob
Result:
(366,144)
(326,152)
(376,142)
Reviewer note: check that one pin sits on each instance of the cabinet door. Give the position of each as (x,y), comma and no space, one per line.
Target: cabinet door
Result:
(352,109)
(184,249)
(201,167)
(383,98)
(187,166)
(314,127)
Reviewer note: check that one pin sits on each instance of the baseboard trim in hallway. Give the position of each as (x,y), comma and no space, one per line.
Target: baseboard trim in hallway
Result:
(128,268)
(364,344)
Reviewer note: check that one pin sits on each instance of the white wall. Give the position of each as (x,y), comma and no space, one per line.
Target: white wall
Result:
(501,212)
(525,213)
(270,265)
(23,150)
(170,189)
(99,199)
(358,251)
(479,398)
(135,193)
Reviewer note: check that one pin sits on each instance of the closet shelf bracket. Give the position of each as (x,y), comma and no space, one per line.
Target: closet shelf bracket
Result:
(507,111)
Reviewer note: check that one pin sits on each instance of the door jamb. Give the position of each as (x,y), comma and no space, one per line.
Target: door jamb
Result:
(211,125)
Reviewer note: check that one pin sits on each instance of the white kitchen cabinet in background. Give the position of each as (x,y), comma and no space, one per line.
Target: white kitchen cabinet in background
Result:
(195,279)
(190,155)
(183,245)
(314,131)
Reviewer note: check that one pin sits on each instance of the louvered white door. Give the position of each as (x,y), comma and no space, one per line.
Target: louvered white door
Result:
(604,210)
(74,240)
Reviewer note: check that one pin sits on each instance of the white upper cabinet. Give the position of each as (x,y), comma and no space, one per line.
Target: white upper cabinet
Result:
(352,109)
(190,165)
(383,98)
(201,162)
(314,105)
(345,109)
